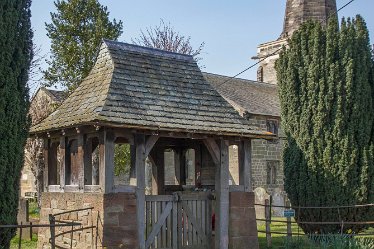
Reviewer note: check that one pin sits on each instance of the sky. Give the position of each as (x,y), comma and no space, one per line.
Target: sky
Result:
(231,30)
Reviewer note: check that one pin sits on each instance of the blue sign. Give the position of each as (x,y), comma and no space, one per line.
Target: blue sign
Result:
(289,213)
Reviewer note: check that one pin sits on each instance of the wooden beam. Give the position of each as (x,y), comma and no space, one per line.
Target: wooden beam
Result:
(222,192)
(46,164)
(213,149)
(88,161)
(106,165)
(140,190)
(245,165)
(151,141)
(81,161)
(198,166)
(62,161)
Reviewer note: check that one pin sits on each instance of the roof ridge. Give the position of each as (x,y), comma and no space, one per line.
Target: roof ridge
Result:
(148,50)
(236,78)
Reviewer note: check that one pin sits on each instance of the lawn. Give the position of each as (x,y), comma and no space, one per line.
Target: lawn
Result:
(29,244)
(303,242)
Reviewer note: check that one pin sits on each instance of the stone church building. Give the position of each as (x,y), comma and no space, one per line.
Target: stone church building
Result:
(258,102)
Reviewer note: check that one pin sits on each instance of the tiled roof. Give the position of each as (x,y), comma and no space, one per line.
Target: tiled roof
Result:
(250,96)
(133,86)
(58,96)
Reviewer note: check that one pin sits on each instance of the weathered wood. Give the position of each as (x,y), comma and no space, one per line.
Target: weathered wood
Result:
(80,161)
(175,225)
(158,198)
(213,149)
(198,166)
(88,161)
(236,188)
(177,165)
(208,212)
(46,165)
(245,152)
(222,192)
(268,221)
(106,161)
(92,188)
(62,161)
(132,165)
(54,188)
(151,141)
(289,224)
(187,208)
(52,162)
(154,175)
(124,189)
(156,229)
(140,179)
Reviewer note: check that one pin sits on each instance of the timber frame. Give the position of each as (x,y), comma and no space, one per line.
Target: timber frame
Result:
(144,145)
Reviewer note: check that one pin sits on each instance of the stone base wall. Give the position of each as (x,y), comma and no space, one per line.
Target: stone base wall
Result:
(242,223)
(113,215)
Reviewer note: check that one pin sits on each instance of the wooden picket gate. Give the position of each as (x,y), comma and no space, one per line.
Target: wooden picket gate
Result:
(179,221)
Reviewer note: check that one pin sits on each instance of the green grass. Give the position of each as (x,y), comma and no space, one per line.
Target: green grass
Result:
(316,242)
(34,210)
(29,244)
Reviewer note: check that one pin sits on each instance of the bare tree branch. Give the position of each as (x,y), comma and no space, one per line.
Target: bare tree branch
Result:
(166,38)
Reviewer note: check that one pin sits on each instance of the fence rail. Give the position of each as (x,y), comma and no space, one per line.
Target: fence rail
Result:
(268,220)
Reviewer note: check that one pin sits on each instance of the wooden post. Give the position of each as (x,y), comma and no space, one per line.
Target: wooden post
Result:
(140,190)
(198,166)
(53,231)
(268,221)
(245,151)
(177,165)
(45,173)
(132,165)
(289,230)
(62,162)
(20,236)
(222,203)
(81,162)
(106,164)
(30,230)
(87,151)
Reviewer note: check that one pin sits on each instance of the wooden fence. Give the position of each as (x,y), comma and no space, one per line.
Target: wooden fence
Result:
(289,222)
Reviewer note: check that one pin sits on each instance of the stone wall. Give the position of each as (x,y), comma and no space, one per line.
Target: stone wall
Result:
(114,216)
(242,222)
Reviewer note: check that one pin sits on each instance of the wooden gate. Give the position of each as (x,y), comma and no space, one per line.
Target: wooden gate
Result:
(179,221)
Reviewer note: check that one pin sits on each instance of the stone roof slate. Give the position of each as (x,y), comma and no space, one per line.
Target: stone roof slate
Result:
(249,96)
(138,87)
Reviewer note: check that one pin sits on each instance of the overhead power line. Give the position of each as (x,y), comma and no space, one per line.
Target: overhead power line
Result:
(279,49)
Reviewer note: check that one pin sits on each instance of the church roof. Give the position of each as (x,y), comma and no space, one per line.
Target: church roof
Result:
(246,95)
(137,87)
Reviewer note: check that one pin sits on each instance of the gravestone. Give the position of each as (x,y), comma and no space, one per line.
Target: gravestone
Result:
(260,196)
(278,200)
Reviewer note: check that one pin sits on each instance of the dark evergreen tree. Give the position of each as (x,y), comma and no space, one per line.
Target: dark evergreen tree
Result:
(15,58)
(326,90)
(77,30)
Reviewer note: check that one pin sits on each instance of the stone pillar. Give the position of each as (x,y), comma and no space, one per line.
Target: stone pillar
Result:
(242,222)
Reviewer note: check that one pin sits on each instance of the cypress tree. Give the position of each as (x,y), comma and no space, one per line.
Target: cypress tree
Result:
(326,91)
(15,58)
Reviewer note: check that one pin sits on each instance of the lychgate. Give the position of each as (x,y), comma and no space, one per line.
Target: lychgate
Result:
(157,107)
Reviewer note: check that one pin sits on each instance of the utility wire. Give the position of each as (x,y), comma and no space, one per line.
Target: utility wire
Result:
(279,49)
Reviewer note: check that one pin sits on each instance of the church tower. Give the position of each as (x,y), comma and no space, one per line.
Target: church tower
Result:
(297,12)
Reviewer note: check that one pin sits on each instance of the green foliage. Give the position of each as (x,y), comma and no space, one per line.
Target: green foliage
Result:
(77,30)
(15,58)
(122,159)
(326,93)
